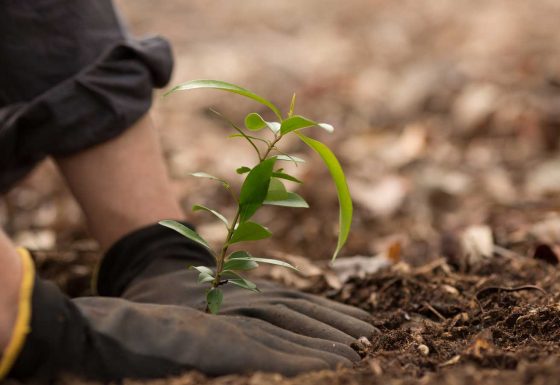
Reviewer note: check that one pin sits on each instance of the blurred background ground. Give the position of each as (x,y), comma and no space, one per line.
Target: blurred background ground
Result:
(447,114)
(447,117)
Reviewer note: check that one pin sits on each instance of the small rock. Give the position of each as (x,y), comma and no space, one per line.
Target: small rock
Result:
(373,299)
(450,289)
(453,361)
(362,346)
(423,349)
(477,243)
(364,341)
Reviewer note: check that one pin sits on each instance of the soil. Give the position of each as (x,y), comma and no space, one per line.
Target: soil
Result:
(447,126)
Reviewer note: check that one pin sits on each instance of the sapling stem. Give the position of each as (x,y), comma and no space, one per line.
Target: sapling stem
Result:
(271,146)
(222,256)
(223,252)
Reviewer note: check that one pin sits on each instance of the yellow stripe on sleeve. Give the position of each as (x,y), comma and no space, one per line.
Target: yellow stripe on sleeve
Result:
(23,320)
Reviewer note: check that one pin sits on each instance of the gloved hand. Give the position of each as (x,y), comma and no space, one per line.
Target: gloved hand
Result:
(113,338)
(156,260)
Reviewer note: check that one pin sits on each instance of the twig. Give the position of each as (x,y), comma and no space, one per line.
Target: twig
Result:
(502,251)
(429,267)
(509,289)
(388,284)
(433,310)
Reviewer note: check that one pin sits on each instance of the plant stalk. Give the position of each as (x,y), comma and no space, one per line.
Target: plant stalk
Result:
(270,147)
(221,258)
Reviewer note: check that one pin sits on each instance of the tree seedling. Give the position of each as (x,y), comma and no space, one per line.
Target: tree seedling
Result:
(263,184)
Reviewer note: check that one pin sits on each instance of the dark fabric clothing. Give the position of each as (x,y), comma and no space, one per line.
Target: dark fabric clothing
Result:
(71,336)
(70,78)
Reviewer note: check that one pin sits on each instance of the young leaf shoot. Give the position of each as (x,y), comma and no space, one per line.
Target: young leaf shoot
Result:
(262,185)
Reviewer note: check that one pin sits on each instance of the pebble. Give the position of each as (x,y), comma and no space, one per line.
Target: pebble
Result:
(364,341)
(423,349)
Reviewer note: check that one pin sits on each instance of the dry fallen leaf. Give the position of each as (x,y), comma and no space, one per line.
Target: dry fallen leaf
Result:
(477,243)
(547,231)
(475,105)
(382,198)
(544,179)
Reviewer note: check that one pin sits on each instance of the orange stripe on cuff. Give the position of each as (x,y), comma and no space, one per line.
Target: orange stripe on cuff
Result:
(22,326)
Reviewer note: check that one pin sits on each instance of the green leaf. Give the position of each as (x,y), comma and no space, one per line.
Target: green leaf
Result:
(274,126)
(296,122)
(238,264)
(203,278)
(214,212)
(276,185)
(243,170)
(245,256)
(290,158)
(285,176)
(254,188)
(202,269)
(279,196)
(249,231)
(216,84)
(214,298)
(205,274)
(248,210)
(185,231)
(209,176)
(244,283)
(344,198)
(254,122)
(285,199)
(238,280)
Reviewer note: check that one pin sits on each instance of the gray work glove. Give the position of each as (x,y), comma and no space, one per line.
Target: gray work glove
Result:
(159,258)
(109,339)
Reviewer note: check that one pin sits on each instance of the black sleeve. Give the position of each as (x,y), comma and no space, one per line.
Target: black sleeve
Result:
(88,337)
(71,78)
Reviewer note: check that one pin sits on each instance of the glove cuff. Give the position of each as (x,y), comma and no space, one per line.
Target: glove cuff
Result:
(23,320)
(131,255)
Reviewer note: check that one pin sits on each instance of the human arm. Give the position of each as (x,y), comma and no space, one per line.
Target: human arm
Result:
(121,184)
